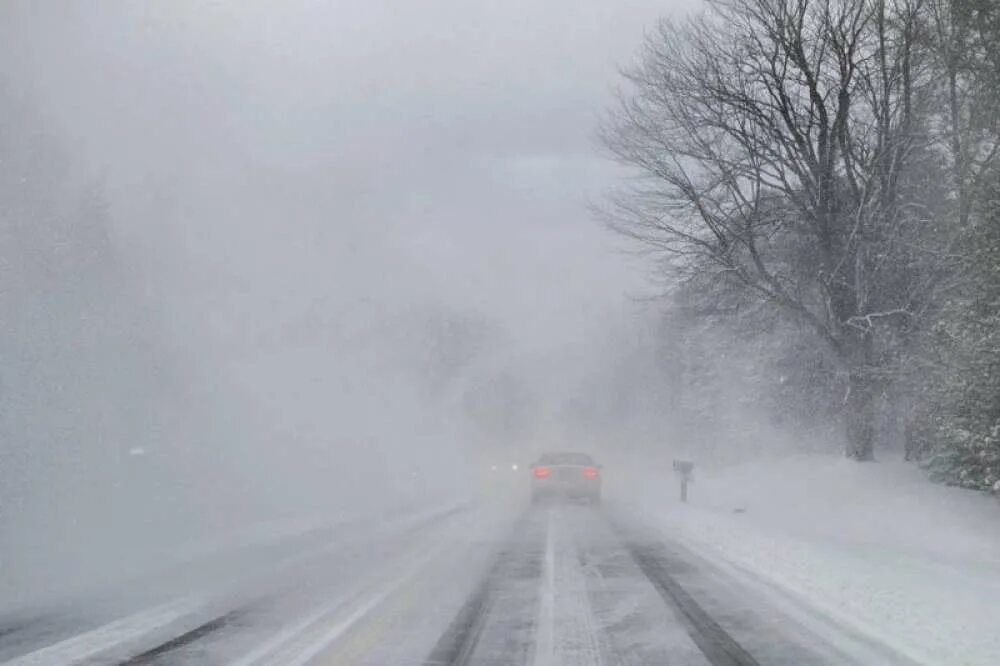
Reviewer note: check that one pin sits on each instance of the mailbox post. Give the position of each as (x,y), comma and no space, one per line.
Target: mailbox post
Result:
(685,471)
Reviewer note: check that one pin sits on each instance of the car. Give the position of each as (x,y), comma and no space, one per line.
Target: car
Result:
(568,476)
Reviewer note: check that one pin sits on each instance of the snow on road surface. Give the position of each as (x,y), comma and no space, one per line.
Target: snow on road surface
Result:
(544,649)
(251,579)
(96,641)
(828,536)
(575,585)
(493,584)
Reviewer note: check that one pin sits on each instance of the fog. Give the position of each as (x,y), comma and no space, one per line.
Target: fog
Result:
(455,331)
(285,259)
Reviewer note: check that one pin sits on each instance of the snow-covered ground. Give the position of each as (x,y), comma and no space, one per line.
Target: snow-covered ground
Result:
(876,547)
(806,560)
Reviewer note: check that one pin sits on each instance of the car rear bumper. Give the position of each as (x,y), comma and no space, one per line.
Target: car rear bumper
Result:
(542,490)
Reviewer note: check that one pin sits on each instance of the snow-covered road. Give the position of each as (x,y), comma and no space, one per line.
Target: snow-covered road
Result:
(464,584)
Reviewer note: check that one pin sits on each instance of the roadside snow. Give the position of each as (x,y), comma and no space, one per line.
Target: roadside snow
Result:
(874,546)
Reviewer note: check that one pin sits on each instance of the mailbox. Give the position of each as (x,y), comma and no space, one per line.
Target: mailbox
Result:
(684,467)
(685,470)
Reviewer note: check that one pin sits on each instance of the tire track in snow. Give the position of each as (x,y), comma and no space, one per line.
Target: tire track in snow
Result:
(305,640)
(459,641)
(718,646)
(97,641)
(182,621)
(531,606)
(185,639)
(509,582)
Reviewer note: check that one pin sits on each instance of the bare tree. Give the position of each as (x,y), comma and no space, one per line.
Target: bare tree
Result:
(967,57)
(772,140)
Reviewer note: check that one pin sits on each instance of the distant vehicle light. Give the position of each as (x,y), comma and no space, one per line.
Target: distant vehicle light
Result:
(514,467)
(542,472)
(494,468)
(590,472)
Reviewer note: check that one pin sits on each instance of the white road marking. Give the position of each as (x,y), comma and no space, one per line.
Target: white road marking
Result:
(305,640)
(89,644)
(272,651)
(544,643)
(258,655)
(327,638)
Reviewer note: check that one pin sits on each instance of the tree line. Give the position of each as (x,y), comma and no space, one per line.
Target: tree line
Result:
(823,176)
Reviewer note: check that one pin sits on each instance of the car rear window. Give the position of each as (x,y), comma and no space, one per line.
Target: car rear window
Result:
(566,459)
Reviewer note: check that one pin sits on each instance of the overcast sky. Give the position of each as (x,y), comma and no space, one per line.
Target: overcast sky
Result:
(267,161)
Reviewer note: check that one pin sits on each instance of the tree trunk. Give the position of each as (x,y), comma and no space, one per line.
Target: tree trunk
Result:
(860,416)
(861,404)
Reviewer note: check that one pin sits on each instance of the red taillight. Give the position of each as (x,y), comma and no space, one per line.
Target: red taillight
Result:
(542,472)
(590,472)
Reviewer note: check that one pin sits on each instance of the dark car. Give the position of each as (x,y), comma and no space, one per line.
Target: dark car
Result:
(566,476)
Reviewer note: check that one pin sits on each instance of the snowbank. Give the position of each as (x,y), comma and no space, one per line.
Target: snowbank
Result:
(874,546)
